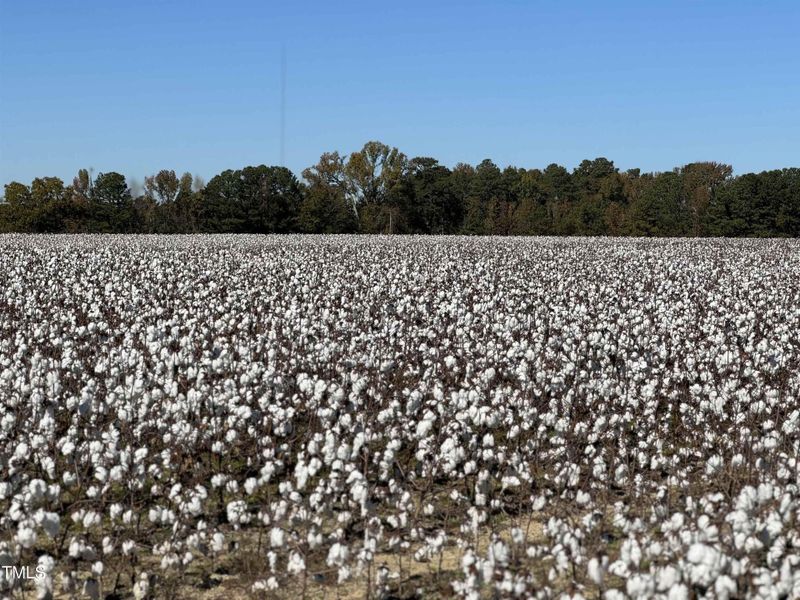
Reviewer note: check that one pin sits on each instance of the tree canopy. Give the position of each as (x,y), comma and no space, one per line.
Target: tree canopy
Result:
(378,189)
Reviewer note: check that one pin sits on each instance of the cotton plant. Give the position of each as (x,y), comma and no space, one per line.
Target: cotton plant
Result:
(347,406)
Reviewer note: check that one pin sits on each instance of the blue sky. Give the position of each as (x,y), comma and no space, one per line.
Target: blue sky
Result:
(195,85)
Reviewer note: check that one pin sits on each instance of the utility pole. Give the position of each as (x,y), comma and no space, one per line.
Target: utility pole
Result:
(283,105)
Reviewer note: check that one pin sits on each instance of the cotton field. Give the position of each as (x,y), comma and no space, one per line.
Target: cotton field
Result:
(396,417)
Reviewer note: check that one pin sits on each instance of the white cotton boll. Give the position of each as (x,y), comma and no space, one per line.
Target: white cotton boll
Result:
(37,490)
(218,542)
(666,577)
(194,506)
(101,474)
(314,540)
(599,469)
(343,452)
(337,555)
(517,535)
(21,452)
(53,491)
(765,492)
(26,536)
(640,585)
(175,491)
(314,466)
(237,512)
(791,423)
(747,498)
(467,560)
(424,427)
(46,563)
(619,568)
(678,592)
(250,485)
(301,475)
(706,562)
(714,464)
(276,537)
(631,552)
(169,561)
(141,589)
(422,554)
(725,587)
(344,574)
(15,511)
(128,547)
(272,584)
(296,565)
(108,545)
(696,553)
(498,552)
(51,523)
(654,550)
(596,571)
(319,388)
(621,475)
(44,579)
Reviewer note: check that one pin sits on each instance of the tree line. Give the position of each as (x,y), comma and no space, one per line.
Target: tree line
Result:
(380,190)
